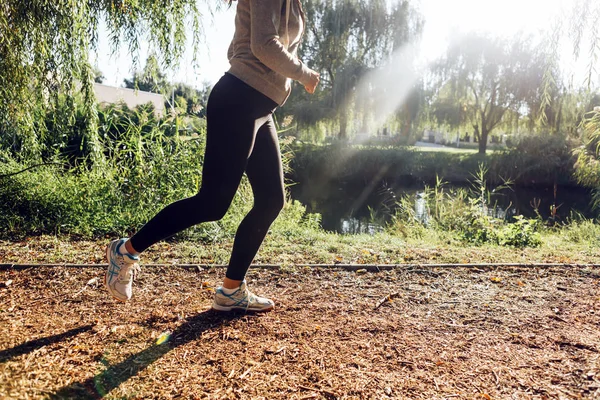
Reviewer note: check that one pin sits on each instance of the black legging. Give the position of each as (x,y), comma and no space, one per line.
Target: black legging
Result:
(241,136)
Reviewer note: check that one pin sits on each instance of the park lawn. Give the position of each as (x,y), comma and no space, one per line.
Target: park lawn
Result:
(450,149)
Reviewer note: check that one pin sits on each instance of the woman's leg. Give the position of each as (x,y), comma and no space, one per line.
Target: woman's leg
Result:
(265,174)
(234,113)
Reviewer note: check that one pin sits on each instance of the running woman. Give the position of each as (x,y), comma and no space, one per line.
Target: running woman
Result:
(241,137)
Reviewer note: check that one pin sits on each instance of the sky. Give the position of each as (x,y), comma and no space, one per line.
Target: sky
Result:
(442,19)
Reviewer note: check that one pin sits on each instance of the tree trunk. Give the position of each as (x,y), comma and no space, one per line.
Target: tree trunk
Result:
(558,119)
(406,123)
(343,126)
(476,134)
(483,140)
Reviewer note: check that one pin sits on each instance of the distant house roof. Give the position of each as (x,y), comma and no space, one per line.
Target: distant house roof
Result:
(133,98)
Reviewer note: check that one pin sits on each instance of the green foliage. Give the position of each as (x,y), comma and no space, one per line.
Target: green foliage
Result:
(463,213)
(587,167)
(534,159)
(151,79)
(295,221)
(145,170)
(184,98)
(584,19)
(580,23)
(44,55)
(345,40)
(520,233)
(479,229)
(148,165)
(542,160)
(583,231)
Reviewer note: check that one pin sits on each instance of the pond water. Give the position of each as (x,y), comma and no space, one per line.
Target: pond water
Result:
(351,208)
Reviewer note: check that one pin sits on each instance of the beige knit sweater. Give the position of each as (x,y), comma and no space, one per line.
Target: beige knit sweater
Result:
(263,50)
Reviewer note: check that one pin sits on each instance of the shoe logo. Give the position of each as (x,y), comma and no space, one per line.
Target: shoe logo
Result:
(113,271)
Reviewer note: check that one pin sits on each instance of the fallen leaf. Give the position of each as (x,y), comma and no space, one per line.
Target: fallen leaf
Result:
(92,281)
(6,284)
(164,337)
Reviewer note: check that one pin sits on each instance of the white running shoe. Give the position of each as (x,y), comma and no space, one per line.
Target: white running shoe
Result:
(122,270)
(241,299)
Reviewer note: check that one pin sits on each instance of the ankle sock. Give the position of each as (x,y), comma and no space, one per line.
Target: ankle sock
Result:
(229,291)
(122,250)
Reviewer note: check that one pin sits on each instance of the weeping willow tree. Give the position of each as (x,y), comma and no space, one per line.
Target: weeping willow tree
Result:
(587,167)
(583,28)
(345,40)
(45,65)
(483,80)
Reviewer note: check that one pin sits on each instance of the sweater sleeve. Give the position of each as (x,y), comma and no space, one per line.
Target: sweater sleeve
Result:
(265,18)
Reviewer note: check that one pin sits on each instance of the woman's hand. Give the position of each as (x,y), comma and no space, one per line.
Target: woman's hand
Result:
(313,81)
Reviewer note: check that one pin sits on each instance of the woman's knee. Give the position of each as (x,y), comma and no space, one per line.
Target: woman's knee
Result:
(210,206)
(271,206)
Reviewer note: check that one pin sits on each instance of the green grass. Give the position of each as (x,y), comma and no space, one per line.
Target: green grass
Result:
(310,246)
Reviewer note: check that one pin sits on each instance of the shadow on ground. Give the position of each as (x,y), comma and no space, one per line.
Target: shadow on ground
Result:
(32,345)
(102,383)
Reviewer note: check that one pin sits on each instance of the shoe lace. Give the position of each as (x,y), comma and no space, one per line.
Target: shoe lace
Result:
(248,298)
(129,272)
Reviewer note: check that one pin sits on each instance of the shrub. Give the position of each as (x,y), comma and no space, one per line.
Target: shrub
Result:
(520,233)
(465,213)
(583,231)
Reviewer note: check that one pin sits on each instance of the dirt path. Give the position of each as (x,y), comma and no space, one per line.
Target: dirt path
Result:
(443,333)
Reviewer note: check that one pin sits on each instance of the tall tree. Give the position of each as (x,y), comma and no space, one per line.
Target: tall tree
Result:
(580,25)
(345,40)
(150,79)
(584,22)
(98,75)
(485,78)
(45,47)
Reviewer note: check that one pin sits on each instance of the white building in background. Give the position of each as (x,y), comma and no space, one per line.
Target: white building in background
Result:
(133,98)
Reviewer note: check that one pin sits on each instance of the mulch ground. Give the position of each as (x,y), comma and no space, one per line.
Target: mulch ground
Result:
(419,333)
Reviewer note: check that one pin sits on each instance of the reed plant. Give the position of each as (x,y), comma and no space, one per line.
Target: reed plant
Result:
(468,214)
(147,162)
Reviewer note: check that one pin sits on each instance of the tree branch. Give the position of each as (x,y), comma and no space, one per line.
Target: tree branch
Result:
(28,168)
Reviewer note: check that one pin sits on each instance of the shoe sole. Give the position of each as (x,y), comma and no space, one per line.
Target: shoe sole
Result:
(106,277)
(217,307)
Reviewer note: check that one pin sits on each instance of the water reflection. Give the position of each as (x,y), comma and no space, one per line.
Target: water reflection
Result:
(352,225)
(421,208)
(341,213)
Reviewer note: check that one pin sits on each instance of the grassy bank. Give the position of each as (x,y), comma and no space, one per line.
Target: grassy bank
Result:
(575,244)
